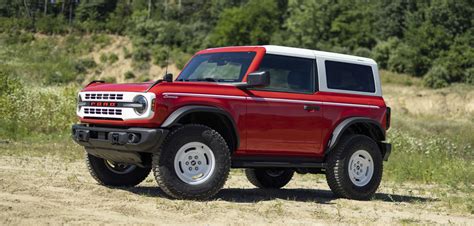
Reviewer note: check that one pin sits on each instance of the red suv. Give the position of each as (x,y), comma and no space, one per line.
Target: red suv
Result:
(272,110)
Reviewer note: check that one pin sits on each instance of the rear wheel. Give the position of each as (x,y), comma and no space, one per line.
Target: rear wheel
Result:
(354,168)
(193,163)
(115,174)
(269,177)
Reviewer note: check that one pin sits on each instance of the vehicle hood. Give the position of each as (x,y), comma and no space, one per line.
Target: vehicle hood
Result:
(124,87)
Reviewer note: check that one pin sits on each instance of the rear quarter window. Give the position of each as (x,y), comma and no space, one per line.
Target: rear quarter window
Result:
(351,77)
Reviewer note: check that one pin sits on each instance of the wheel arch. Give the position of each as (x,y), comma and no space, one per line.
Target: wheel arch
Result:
(358,125)
(206,115)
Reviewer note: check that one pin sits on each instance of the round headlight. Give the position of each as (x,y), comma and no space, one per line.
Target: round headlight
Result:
(144,104)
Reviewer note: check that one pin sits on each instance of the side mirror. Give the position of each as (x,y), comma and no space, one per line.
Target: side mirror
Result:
(168,77)
(256,79)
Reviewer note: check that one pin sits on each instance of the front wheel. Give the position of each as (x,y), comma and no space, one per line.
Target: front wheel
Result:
(354,168)
(193,163)
(115,174)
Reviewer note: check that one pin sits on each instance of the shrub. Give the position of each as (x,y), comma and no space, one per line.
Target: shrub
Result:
(407,59)
(126,53)
(180,59)
(101,39)
(160,56)
(363,52)
(129,75)
(110,79)
(51,25)
(141,57)
(113,58)
(82,65)
(382,51)
(469,76)
(437,77)
(103,58)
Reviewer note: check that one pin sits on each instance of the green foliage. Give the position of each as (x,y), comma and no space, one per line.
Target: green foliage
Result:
(160,56)
(429,160)
(383,50)
(129,75)
(141,57)
(31,111)
(402,35)
(126,53)
(103,58)
(363,52)
(252,23)
(110,79)
(82,65)
(113,58)
(51,25)
(437,77)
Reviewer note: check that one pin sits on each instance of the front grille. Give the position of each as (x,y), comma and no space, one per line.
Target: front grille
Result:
(104,96)
(102,111)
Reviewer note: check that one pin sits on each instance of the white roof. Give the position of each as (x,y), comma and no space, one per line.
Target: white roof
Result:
(307,53)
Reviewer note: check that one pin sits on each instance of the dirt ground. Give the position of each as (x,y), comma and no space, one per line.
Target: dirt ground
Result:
(44,190)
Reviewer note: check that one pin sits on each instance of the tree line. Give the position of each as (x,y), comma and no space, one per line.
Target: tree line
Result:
(432,39)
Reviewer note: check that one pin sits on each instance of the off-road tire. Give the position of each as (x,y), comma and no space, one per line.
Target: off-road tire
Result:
(163,163)
(337,171)
(104,176)
(262,179)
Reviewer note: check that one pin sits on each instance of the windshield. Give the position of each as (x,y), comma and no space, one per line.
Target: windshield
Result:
(217,67)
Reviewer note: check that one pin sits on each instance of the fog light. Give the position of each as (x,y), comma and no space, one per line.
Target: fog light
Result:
(133,138)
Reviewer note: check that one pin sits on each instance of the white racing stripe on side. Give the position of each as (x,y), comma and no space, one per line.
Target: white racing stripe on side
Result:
(174,95)
(262,99)
(350,105)
(283,100)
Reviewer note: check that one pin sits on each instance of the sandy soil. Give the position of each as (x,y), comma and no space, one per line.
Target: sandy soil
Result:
(44,190)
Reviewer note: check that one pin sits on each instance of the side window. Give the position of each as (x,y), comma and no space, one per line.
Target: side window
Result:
(288,74)
(346,76)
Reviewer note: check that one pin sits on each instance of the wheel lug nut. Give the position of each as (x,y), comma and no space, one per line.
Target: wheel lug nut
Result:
(190,168)
(199,162)
(187,163)
(190,157)
(196,157)
(196,168)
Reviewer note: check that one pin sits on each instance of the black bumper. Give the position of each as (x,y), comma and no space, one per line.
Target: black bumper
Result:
(119,145)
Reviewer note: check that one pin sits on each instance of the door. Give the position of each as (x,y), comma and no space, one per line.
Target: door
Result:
(284,118)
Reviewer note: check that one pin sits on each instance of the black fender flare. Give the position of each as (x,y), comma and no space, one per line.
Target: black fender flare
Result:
(341,128)
(179,113)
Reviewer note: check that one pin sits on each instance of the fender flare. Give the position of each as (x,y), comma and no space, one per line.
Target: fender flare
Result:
(341,128)
(179,113)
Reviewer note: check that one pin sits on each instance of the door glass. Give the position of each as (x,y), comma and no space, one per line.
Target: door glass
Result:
(288,74)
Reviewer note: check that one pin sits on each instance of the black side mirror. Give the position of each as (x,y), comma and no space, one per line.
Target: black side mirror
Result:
(257,79)
(168,77)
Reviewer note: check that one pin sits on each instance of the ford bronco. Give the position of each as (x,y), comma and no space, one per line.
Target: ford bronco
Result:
(272,110)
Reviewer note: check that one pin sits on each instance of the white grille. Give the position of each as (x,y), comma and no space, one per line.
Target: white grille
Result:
(113,112)
(102,111)
(103,96)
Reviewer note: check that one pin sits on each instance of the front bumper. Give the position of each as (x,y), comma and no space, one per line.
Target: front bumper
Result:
(118,145)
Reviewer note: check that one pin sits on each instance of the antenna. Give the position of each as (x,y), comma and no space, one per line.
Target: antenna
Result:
(167,59)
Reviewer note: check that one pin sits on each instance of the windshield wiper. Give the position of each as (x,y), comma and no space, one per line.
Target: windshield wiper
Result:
(202,80)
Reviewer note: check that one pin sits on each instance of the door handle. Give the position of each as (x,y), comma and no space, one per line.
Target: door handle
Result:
(311,108)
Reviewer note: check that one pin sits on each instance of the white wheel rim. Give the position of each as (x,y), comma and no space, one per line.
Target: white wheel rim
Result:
(361,168)
(194,163)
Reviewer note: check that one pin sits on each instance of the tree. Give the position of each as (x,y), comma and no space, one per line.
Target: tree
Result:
(250,24)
